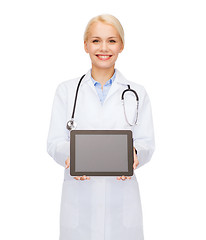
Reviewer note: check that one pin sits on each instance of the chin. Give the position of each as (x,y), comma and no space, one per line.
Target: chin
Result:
(103,66)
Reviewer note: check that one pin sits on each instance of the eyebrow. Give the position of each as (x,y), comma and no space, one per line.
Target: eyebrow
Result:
(108,37)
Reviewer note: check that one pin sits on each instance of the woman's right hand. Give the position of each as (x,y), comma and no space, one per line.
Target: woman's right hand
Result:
(82,177)
(67,162)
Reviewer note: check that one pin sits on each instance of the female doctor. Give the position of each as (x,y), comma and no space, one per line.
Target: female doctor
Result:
(101,208)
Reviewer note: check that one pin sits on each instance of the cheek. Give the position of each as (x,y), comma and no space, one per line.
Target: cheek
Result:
(116,49)
(92,48)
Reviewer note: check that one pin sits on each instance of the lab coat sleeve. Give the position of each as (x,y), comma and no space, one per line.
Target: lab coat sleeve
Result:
(143,132)
(58,144)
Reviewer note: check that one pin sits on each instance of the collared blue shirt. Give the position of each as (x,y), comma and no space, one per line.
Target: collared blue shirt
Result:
(103,93)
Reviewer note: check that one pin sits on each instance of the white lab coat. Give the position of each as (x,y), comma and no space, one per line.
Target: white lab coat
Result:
(102,208)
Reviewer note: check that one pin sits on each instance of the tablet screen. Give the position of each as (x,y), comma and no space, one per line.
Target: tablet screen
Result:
(94,153)
(101,153)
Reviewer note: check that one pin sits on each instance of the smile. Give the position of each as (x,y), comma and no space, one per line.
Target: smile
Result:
(104,57)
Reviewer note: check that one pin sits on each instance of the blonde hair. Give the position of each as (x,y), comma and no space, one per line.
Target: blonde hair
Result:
(108,19)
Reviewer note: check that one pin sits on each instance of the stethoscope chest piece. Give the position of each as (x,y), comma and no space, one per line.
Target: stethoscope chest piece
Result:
(71,124)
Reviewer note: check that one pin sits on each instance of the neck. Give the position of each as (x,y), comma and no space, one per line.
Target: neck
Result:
(102,75)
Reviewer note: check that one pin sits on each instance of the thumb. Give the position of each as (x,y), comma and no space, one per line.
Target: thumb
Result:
(67,164)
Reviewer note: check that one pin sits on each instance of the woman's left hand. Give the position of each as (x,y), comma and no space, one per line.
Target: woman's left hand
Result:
(135,164)
(123,178)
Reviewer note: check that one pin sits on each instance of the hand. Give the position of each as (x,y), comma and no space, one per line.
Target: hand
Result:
(67,162)
(123,178)
(135,164)
(82,177)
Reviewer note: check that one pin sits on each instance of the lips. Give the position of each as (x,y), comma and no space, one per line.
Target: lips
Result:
(103,57)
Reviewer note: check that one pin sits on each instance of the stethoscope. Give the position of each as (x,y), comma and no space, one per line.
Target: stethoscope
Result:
(71,124)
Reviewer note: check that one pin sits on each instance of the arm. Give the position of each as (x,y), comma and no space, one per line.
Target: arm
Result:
(58,144)
(143,132)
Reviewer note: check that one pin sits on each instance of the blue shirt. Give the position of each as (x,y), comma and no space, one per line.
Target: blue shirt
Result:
(103,93)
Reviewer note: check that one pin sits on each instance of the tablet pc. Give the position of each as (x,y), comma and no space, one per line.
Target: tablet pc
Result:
(101,153)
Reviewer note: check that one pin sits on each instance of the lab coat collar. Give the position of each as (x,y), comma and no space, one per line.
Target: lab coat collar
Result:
(119,77)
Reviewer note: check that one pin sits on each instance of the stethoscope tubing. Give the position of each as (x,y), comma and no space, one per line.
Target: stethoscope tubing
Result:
(129,89)
(71,123)
(76,96)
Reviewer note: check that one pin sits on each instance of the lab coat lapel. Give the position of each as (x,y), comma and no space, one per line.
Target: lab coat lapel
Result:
(116,85)
(87,80)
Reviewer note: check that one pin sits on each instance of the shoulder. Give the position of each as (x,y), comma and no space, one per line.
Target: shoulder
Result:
(68,83)
(137,87)
(67,87)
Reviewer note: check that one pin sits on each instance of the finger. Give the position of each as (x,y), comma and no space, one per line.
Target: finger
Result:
(124,178)
(85,177)
(77,178)
(135,164)
(82,178)
(118,178)
(67,165)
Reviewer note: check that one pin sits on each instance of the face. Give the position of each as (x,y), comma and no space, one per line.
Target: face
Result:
(103,45)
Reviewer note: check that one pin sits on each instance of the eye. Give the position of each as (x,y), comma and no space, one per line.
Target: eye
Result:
(95,40)
(113,41)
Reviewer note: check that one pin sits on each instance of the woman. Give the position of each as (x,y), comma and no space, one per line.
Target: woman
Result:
(101,207)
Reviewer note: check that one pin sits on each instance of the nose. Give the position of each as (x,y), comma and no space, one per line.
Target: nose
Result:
(104,46)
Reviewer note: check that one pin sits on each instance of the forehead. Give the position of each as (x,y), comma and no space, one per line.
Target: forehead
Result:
(99,29)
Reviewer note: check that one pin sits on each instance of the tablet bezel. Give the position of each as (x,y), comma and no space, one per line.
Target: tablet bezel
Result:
(73,133)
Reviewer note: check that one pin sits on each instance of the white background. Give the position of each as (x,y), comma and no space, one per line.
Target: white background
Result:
(41,45)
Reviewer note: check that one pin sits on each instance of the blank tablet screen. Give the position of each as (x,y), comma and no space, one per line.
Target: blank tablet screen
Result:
(101,154)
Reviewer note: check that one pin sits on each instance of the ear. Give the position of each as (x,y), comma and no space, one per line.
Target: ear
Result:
(85,47)
(121,49)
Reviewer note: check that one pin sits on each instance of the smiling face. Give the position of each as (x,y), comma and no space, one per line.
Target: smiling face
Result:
(103,45)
